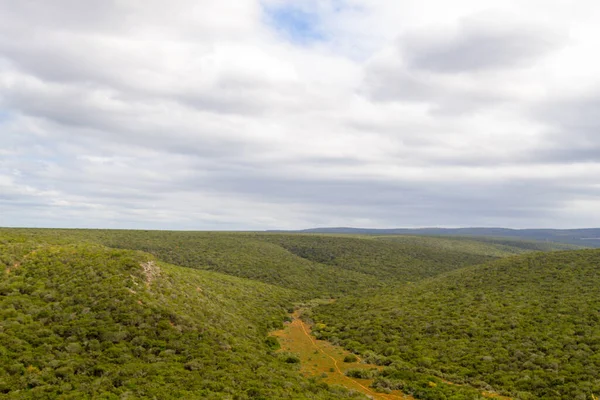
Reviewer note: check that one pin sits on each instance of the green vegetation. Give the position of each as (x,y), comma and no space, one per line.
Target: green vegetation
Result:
(527,326)
(137,314)
(487,246)
(350,358)
(575,237)
(317,265)
(244,256)
(376,258)
(83,321)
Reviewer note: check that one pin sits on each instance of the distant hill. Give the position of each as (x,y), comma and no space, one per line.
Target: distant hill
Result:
(580,237)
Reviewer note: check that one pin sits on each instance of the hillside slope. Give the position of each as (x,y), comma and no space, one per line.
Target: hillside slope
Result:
(489,246)
(244,256)
(397,258)
(317,265)
(578,237)
(80,320)
(83,321)
(236,254)
(525,325)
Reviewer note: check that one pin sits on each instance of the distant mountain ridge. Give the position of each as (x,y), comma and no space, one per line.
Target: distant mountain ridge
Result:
(589,237)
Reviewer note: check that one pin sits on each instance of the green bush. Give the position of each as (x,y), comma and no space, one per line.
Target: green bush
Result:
(350,358)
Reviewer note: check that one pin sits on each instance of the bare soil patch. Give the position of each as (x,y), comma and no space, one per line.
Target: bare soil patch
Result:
(323,359)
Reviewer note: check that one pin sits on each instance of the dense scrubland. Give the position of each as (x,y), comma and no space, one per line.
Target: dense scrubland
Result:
(527,326)
(580,237)
(82,321)
(147,314)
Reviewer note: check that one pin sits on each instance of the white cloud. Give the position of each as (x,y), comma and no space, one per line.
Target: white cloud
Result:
(207,115)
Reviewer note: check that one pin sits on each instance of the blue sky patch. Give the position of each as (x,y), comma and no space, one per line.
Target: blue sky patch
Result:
(298,25)
(4,116)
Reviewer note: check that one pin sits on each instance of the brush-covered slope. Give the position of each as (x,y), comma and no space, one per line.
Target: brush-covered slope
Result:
(321,265)
(318,265)
(244,256)
(402,260)
(485,246)
(527,326)
(577,237)
(83,321)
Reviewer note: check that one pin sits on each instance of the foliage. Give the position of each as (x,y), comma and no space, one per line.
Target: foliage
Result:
(83,321)
(385,260)
(239,254)
(350,358)
(317,265)
(422,385)
(525,325)
(187,314)
(486,246)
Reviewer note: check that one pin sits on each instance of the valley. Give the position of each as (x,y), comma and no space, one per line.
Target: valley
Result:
(220,315)
(330,363)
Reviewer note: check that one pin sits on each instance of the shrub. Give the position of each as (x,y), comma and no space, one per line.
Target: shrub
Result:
(350,358)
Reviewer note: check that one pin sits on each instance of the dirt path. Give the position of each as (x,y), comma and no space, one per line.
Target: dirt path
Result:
(321,358)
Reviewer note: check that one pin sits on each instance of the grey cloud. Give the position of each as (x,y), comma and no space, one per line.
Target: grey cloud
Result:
(384,196)
(561,151)
(50,61)
(389,83)
(577,116)
(397,84)
(572,129)
(106,45)
(457,73)
(89,15)
(99,137)
(392,81)
(477,46)
(520,203)
(226,101)
(64,105)
(70,72)
(385,203)
(73,114)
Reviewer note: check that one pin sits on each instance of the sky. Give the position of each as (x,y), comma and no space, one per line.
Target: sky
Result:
(273,114)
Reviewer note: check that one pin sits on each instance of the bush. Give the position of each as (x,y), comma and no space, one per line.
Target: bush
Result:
(350,358)
(361,373)
(292,360)
(272,343)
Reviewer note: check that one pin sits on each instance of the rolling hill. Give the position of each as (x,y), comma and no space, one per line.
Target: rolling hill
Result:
(84,321)
(579,237)
(153,314)
(526,326)
(385,260)
(316,265)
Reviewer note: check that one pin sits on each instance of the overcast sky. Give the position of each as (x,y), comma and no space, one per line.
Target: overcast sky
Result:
(250,114)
